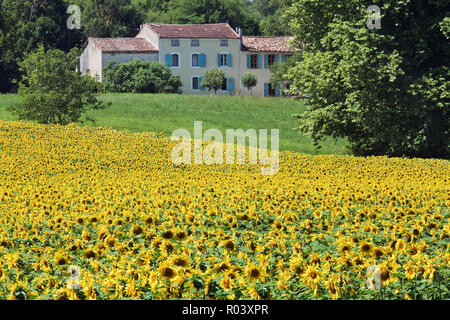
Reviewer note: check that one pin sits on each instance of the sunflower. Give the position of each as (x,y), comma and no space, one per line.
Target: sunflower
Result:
(378,253)
(167,272)
(366,248)
(149,220)
(333,286)
(400,245)
(179,261)
(167,235)
(254,272)
(222,266)
(345,247)
(88,254)
(181,235)
(410,271)
(311,276)
(228,245)
(137,230)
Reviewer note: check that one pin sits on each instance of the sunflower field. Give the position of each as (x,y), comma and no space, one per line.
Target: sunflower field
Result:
(93,213)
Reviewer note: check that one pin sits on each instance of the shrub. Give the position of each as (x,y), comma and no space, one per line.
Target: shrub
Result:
(140,77)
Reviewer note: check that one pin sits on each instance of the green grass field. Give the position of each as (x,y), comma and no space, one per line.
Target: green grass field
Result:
(165,113)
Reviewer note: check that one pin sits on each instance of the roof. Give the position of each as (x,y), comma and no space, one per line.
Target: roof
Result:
(215,30)
(267,44)
(123,44)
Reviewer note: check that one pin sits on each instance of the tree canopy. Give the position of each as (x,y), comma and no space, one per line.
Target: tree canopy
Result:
(386,90)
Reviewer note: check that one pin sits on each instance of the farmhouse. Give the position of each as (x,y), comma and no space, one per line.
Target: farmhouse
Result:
(190,50)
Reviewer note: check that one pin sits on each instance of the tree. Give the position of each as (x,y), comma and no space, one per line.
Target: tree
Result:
(386,90)
(26,24)
(271,16)
(236,12)
(51,91)
(249,80)
(109,18)
(141,77)
(213,79)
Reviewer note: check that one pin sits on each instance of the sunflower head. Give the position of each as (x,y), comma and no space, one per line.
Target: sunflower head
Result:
(137,230)
(255,272)
(229,245)
(167,272)
(366,248)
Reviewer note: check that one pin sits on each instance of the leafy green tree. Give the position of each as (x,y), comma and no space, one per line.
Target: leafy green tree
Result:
(109,18)
(236,12)
(386,90)
(249,80)
(213,79)
(140,77)
(26,24)
(271,16)
(51,91)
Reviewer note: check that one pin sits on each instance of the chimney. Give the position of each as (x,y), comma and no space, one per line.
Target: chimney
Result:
(239,31)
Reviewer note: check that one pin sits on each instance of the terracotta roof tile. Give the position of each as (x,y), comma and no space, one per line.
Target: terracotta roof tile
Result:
(267,44)
(123,44)
(217,30)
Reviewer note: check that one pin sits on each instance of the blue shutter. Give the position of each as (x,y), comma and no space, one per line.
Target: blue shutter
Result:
(230,84)
(229,60)
(266,61)
(284,58)
(218,60)
(259,61)
(277,57)
(202,61)
(169,59)
(277,90)
(266,89)
(249,61)
(200,85)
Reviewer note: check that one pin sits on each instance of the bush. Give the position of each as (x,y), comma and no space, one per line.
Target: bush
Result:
(249,80)
(51,91)
(140,77)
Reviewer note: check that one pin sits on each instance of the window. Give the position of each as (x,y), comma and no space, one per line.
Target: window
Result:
(224,85)
(175,43)
(195,42)
(272,91)
(224,43)
(175,60)
(271,59)
(254,61)
(195,60)
(195,83)
(223,60)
